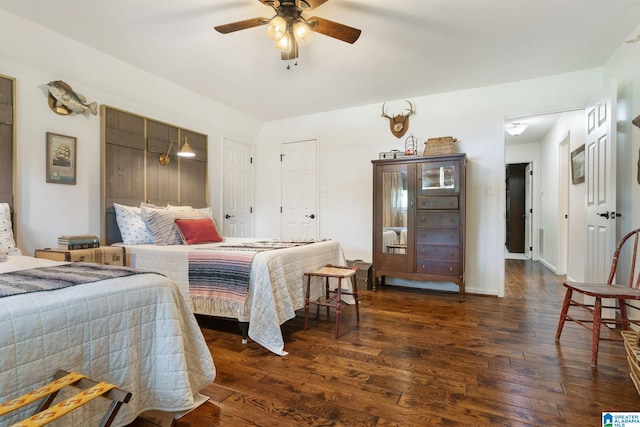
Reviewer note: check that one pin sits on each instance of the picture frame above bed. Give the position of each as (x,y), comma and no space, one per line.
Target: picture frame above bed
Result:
(61,159)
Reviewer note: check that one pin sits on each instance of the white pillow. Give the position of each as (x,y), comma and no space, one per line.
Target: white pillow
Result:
(162,223)
(208,211)
(7,243)
(180,208)
(133,229)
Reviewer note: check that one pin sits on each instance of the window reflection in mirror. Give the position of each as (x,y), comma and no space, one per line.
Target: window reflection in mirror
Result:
(394,212)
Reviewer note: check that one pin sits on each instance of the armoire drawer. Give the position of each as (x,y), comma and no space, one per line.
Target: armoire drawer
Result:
(445,236)
(448,252)
(438,219)
(445,268)
(437,202)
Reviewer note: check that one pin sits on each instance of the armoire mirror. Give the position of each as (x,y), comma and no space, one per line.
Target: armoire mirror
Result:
(394,212)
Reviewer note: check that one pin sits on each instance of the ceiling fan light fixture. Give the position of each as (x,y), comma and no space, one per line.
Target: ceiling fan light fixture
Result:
(284,43)
(515,129)
(302,33)
(289,29)
(277,28)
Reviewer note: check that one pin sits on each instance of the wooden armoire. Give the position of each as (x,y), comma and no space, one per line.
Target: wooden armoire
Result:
(419,219)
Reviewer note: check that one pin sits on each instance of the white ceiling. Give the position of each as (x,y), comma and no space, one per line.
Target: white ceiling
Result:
(408,48)
(537,128)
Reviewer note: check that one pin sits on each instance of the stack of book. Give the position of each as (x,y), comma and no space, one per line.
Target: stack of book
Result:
(80,241)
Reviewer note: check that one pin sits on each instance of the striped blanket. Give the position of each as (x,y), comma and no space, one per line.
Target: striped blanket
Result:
(219,277)
(58,277)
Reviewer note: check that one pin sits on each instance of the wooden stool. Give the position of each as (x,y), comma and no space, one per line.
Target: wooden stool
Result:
(332,271)
(46,414)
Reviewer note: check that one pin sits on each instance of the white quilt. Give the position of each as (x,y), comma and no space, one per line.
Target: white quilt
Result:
(276,285)
(136,332)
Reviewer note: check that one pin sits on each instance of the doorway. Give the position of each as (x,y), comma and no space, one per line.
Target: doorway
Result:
(545,146)
(516,233)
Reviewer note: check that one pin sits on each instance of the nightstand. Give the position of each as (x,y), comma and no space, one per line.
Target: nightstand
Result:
(109,255)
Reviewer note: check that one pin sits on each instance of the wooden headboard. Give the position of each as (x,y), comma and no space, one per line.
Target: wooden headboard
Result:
(7,142)
(132,173)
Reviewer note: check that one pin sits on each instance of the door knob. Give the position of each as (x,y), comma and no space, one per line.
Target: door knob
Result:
(227,216)
(310,216)
(604,214)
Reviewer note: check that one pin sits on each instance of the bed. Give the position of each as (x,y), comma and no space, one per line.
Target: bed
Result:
(275,290)
(136,332)
(132,179)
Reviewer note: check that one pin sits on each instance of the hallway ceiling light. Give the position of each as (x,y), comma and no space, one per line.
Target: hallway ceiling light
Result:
(516,129)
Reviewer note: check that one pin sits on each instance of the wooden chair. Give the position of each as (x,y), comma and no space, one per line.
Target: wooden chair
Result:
(46,414)
(627,247)
(333,298)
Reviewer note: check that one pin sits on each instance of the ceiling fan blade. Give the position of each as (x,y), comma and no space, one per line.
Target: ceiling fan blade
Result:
(307,5)
(240,25)
(335,29)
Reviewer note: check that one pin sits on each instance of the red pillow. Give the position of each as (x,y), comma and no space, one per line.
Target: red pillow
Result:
(198,230)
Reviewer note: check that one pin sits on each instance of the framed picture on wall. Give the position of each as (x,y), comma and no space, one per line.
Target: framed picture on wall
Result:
(577,165)
(61,159)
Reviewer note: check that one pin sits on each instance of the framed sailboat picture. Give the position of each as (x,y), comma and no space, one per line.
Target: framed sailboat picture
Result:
(61,159)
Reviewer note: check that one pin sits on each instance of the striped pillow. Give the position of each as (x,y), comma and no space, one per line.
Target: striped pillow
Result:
(162,223)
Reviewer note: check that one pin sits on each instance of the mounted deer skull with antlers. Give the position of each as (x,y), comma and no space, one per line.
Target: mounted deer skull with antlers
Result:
(399,124)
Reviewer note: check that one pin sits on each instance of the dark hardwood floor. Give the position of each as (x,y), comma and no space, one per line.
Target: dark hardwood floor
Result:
(421,358)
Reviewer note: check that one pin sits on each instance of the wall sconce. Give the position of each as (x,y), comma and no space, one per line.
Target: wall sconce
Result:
(516,129)
(185,151)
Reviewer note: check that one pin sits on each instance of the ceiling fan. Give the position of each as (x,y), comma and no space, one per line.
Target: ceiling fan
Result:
(288,28)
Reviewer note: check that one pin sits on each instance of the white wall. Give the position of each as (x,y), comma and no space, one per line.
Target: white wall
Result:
(570,125)
(624,68)
(34,56)
(349,139)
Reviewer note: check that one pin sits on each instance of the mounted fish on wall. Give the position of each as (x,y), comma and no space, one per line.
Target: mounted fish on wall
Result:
(64,101)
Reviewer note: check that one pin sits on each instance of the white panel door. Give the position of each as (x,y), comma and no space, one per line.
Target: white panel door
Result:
(299,172)
(600,179)
(237,184)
